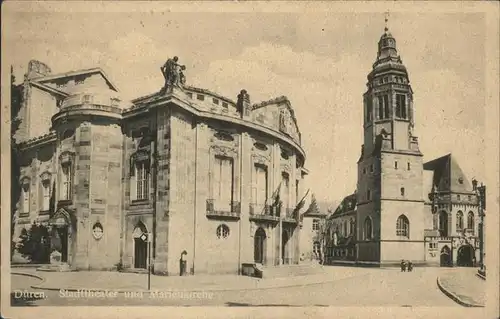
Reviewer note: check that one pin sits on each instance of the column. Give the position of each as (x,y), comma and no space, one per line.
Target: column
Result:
(246,243)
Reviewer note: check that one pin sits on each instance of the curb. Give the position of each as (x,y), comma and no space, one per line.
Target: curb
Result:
(27,275)
(209,289)
(454,297)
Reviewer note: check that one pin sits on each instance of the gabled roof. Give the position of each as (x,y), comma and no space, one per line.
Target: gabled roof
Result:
(49,89)
(448,176)
(76,73)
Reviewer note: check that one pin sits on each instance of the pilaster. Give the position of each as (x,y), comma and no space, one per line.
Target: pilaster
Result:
(245,183)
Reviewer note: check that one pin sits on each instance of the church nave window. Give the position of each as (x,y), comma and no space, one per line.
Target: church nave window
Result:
(403,227)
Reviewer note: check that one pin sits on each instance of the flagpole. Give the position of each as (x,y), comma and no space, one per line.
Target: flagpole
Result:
(280,259)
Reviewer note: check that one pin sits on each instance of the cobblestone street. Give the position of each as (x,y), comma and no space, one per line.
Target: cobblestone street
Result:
(351,287)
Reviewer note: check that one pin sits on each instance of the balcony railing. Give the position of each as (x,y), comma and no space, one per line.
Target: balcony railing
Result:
(290,216)
(232,211)
(263,212)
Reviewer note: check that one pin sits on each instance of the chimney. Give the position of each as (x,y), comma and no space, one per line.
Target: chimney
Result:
(243,105)
(37,69)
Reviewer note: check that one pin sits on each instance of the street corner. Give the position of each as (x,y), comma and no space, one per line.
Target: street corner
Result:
(462,292)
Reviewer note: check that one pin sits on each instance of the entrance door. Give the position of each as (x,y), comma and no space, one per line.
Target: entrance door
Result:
(284,248)
(259,246)
(465,256)
(140,246)
(140,253)
(63,236)
(445,259)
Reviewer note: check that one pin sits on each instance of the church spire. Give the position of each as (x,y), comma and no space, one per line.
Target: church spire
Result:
(386,20)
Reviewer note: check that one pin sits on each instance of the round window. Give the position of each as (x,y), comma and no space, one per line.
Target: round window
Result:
(222,231)
(97,231)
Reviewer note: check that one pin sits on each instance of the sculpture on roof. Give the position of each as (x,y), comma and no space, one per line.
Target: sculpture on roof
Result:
(172,73)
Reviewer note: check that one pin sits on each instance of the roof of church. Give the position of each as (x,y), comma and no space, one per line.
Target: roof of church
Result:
(348,204)
(447,175)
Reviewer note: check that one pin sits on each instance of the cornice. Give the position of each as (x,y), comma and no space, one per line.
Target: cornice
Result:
(189,107)
(37,141)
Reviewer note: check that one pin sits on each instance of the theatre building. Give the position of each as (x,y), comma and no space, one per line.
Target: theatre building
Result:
(198,171)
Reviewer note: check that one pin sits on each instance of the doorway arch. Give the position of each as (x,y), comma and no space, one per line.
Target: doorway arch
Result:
(140,246)
(445,257)
(259,252)
(465,256)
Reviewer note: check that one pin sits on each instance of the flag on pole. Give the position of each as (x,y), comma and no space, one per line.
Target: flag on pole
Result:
(301,207)
(276,196)
(275,199)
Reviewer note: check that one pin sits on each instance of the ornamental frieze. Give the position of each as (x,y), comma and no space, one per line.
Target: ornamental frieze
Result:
(261,159)
(286,167)
(223,151)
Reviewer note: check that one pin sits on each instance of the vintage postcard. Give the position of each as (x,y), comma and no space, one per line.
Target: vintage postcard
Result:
(250,159)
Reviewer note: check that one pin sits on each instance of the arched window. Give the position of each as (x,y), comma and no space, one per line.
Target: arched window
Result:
(403,227)
(460,220)
(368,228)
(353,226)
(222,231)
(346,230)
(443,223)
(470,221)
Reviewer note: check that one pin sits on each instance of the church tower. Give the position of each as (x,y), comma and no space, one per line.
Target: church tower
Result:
(390,214)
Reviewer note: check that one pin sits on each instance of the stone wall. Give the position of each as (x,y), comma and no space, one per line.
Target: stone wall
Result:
(105,205)
(181,228)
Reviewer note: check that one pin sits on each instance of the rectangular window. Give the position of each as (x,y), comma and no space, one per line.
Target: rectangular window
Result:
(371,168)
(142,180)
(386,106)
(223,183)
(285,190)
(200,97)
(409,165)
(396,164)
(369,109)
(401,106)
(368,195)
(225,105)
(380,107)
(190,95)
(45,195)
(215,101)
(26,199)
(315,225)
(260,186)
(66,180)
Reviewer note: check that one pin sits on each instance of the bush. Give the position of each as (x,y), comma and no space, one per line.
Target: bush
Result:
(34,244)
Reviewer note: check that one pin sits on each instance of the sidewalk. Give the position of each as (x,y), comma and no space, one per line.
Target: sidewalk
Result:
(115,281)
(464,287)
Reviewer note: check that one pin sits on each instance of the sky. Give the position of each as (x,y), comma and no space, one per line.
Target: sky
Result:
(319,60)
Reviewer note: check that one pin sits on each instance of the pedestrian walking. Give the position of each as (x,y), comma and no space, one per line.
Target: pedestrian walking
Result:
(410,266)
(403,265)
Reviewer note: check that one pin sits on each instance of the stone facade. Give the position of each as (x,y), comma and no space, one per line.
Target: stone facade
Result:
(402,208)
(194,169)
